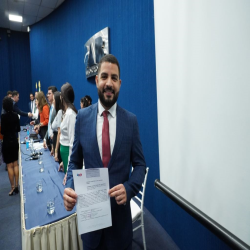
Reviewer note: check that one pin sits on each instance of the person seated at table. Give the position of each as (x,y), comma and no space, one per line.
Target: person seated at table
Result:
(67,127)
(85,101)
(10,126)
(43,107)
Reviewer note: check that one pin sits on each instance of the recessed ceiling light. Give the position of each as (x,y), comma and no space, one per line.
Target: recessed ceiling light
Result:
(15,18)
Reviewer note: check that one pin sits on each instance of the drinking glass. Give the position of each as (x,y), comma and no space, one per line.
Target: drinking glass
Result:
(40,159)
(50,206)
(41,169)
(39,186)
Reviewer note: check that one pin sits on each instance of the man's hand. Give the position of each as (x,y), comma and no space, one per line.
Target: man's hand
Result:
(30,114)
(44,144)
(32,123)
(119,192)
(65,179)
(60,167)
(52,151)
(56,157)
(37,128)
(69,198)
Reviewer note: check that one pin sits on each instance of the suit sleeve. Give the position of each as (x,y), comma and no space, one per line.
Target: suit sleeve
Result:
(19,111)
(133,185)
(76,158)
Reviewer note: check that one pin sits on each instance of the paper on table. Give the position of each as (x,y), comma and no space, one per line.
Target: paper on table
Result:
(38,146)
(93,202)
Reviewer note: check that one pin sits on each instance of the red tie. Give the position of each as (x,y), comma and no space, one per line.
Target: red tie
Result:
(105,140)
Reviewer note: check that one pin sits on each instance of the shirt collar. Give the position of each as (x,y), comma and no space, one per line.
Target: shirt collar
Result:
(112,110)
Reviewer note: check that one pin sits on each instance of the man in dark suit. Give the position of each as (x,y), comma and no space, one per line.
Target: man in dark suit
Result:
(123,149)
(15,98)
(47,141)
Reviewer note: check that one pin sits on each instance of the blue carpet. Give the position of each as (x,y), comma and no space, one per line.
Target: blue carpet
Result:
(10,216)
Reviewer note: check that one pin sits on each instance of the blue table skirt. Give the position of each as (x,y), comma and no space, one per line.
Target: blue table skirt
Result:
(35,206)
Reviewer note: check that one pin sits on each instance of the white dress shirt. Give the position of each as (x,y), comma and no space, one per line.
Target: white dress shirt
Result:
(112,126)
(50,131)
(57,121)
(34,110)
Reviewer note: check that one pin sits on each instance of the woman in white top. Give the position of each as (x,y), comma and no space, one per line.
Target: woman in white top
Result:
(67,127)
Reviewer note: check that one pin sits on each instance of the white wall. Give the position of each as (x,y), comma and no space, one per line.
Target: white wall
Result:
(203,94)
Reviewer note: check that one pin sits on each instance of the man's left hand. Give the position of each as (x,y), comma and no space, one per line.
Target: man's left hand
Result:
(37,128)
(119,192)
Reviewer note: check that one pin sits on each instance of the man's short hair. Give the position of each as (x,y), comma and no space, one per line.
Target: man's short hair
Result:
(7,104)
(14,93)
(53,88)
(111,59)
(31,94)
(9,92)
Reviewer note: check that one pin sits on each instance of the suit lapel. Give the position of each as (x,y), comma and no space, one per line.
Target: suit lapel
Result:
(120,128)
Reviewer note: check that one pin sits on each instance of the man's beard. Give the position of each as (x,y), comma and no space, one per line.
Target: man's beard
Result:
(108,103)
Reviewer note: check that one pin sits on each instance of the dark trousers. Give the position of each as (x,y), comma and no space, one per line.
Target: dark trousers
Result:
(102,246)
(55,133)
(43,131)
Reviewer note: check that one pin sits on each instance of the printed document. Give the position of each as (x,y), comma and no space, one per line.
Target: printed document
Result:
(93,202)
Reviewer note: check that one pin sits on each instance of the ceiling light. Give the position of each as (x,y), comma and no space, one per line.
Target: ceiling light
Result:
(15,18)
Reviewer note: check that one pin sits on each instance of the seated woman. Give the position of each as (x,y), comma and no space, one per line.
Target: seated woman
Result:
(43,107)
(10,126)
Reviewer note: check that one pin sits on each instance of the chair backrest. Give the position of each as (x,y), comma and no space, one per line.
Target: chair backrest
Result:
(142,191)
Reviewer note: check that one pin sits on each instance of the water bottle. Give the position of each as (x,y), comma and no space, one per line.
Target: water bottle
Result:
(31,145)
(27,142)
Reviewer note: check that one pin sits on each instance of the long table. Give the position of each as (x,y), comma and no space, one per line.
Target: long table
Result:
(39,229)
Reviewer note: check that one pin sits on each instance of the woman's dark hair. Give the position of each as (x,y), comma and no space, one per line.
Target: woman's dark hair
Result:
(68,96)
(58,103)
(7,104)
(86,101)
(89,99)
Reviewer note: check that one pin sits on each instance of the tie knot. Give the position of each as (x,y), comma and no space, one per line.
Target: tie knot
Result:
(105,113)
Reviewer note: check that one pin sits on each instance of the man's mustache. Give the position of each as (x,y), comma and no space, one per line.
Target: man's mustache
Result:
(108,89)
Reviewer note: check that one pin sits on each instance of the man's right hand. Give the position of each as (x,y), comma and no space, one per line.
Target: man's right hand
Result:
(32,123)
(69,198)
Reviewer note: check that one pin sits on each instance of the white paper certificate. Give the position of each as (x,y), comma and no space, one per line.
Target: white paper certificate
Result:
(93,202)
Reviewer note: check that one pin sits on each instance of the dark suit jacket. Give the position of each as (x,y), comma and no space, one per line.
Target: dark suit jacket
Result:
(52,117)
(17,110)
(30,106)
(127,151)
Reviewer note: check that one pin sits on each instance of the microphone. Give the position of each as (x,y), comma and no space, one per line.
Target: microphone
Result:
(35,154)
